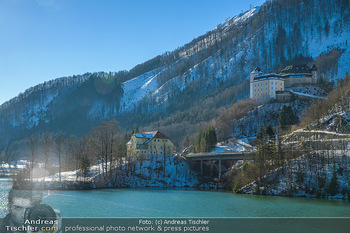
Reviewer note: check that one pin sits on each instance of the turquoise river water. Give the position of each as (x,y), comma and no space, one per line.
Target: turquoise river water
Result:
(180,203)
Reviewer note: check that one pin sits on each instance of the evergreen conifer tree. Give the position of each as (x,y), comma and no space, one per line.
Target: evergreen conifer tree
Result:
(270,144)
(287,117)
(261,148)
(333,185)
(85,166)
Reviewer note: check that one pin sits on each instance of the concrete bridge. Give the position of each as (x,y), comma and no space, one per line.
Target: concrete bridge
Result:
(219,156)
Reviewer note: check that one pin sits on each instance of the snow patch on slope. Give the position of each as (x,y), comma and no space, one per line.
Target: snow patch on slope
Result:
(34,114)
(138,88)
(239,19)
(232,145)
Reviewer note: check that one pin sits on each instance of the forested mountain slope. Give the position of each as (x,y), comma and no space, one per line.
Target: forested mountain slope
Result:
(211,72)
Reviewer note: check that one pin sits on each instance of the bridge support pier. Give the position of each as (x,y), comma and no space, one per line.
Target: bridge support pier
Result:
(201,166)
(211,157)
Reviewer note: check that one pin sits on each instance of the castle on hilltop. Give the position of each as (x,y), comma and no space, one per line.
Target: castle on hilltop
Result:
(268,85)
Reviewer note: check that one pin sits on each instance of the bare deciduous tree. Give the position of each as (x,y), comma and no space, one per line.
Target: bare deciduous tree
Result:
(59,143)
(32,143)
(46,146)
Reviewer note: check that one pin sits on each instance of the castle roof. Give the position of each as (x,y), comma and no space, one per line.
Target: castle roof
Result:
(290,75)
(257,70)
(268,76)
(296,69)
(313,68)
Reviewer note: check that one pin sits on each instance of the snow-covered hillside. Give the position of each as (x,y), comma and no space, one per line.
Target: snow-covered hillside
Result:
(264,114)
(218,62)
(238,19)
(318,153)
(239,58)
(308,176)
(153,172)
(138,88)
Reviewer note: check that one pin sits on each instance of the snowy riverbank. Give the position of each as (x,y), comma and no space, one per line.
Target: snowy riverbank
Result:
(153,171)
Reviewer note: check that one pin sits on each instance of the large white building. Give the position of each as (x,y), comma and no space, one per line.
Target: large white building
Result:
(146,143)
(265,85)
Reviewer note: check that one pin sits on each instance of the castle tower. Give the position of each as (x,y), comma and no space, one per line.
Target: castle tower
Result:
(314,73)
(256,72)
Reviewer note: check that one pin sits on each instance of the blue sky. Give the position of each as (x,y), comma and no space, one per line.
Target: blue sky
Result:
(42,40)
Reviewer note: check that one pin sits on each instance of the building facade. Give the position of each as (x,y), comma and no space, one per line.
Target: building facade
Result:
(146,143)
(265,85)
(296,75)
(284,96)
